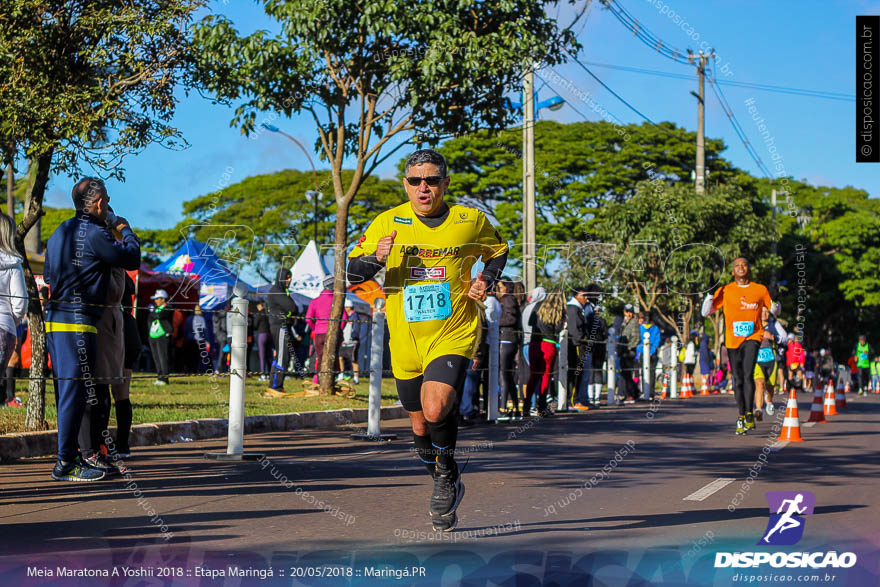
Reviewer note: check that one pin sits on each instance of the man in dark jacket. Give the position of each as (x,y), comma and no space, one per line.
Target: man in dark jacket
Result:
(220,338)
(282,311)
(627,344)
(161,328)
(79,257)
(579,363)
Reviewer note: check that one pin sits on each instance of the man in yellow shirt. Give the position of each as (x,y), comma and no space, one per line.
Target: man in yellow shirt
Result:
(428,250)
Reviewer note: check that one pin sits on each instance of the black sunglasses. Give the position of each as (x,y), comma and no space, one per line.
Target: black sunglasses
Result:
(431,180)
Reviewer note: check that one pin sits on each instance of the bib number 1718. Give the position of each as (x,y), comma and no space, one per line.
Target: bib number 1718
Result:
(429,301)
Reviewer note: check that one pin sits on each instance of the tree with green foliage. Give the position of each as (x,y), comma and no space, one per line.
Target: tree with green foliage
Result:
(257,217)
(579,168)
(84,83)
(673,246)
(373,72)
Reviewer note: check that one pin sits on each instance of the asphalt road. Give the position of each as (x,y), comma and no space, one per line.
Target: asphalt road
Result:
(539,508)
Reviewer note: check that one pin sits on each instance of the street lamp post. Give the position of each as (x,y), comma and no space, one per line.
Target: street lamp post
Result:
(310,195)
(316,196)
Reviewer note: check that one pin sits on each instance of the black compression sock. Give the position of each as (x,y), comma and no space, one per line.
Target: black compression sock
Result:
(123,424)
(443,437)
(10,383)
(425,451)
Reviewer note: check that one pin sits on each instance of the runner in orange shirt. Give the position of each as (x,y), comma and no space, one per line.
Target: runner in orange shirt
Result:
(742,302)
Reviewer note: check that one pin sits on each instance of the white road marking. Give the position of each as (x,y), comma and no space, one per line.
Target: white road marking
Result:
(704,492)
(808,424)
(778,446)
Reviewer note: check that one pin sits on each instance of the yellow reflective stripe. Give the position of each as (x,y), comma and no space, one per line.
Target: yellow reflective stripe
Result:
(63,327)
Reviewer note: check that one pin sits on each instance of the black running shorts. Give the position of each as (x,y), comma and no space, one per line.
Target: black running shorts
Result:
(448,369)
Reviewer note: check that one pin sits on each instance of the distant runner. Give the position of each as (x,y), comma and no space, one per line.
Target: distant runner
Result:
(742,302)
(428,250)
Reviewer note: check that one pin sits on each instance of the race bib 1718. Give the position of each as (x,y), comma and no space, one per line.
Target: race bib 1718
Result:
(429,301)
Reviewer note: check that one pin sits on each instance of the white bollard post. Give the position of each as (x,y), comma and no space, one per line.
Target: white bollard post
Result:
(494,361)
(611,365)
(237,378)
(562,377)
(646,366)
(374,408)
(673,379)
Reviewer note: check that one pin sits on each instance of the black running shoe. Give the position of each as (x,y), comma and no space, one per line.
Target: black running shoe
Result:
(750,422)
(445,523)
(76,470)
(740,426)
(448,490)
(102,463)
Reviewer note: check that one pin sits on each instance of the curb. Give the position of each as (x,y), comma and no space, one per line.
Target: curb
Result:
(40,444)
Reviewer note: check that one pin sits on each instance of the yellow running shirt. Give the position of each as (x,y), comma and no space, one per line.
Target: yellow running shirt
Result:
(427,279)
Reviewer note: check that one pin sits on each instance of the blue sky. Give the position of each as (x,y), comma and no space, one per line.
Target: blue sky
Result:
(808,45)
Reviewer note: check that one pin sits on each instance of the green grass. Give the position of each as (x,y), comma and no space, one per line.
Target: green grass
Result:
(191,398)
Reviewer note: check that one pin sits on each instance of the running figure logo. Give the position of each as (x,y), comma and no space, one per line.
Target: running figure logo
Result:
(786,526)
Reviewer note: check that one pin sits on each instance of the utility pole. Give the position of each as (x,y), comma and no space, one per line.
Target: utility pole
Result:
(700,59)
(528,236)
(10,191)
(773,291)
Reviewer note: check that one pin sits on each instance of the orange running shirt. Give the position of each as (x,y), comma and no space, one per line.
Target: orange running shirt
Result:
(742,312)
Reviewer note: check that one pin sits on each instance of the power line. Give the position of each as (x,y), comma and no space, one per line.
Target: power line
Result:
(737,127)
(570,105)
(643,34)
(764,87)
(613,93)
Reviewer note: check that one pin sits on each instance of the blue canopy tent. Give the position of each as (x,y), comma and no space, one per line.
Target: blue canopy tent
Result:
(201,264)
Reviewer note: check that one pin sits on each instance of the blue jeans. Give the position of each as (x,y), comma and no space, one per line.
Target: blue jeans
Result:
(582,397)
(472,377)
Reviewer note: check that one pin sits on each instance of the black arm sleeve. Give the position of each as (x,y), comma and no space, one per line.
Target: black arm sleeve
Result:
(493,268)
(361,269)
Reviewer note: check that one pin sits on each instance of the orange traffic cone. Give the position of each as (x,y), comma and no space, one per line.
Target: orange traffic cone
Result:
(665,389)
(830,405)
(840,398)
(704,389)
(687,387)
(817,414)
(791,426)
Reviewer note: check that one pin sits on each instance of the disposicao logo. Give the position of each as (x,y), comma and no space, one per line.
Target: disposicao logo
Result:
(785,528)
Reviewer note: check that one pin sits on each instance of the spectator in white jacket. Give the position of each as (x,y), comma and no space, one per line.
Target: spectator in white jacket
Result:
(13,299)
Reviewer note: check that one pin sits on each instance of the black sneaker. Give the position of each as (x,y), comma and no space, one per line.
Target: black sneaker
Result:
(759,416)
(448,491)
(445,523)
(102,463)
(750,422)
(76,470)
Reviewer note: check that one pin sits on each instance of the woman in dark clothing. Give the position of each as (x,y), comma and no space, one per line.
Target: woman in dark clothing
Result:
(264,340)
(510,341)
(547,322)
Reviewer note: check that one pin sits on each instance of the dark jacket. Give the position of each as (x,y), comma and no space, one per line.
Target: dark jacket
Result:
(510,319)
(629,336)
(79,256)
(261,322)
(577,323)
(597,334)
(544,331)
(131,336)
(705,354)
(279,305)
(165,316)
(220,332)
